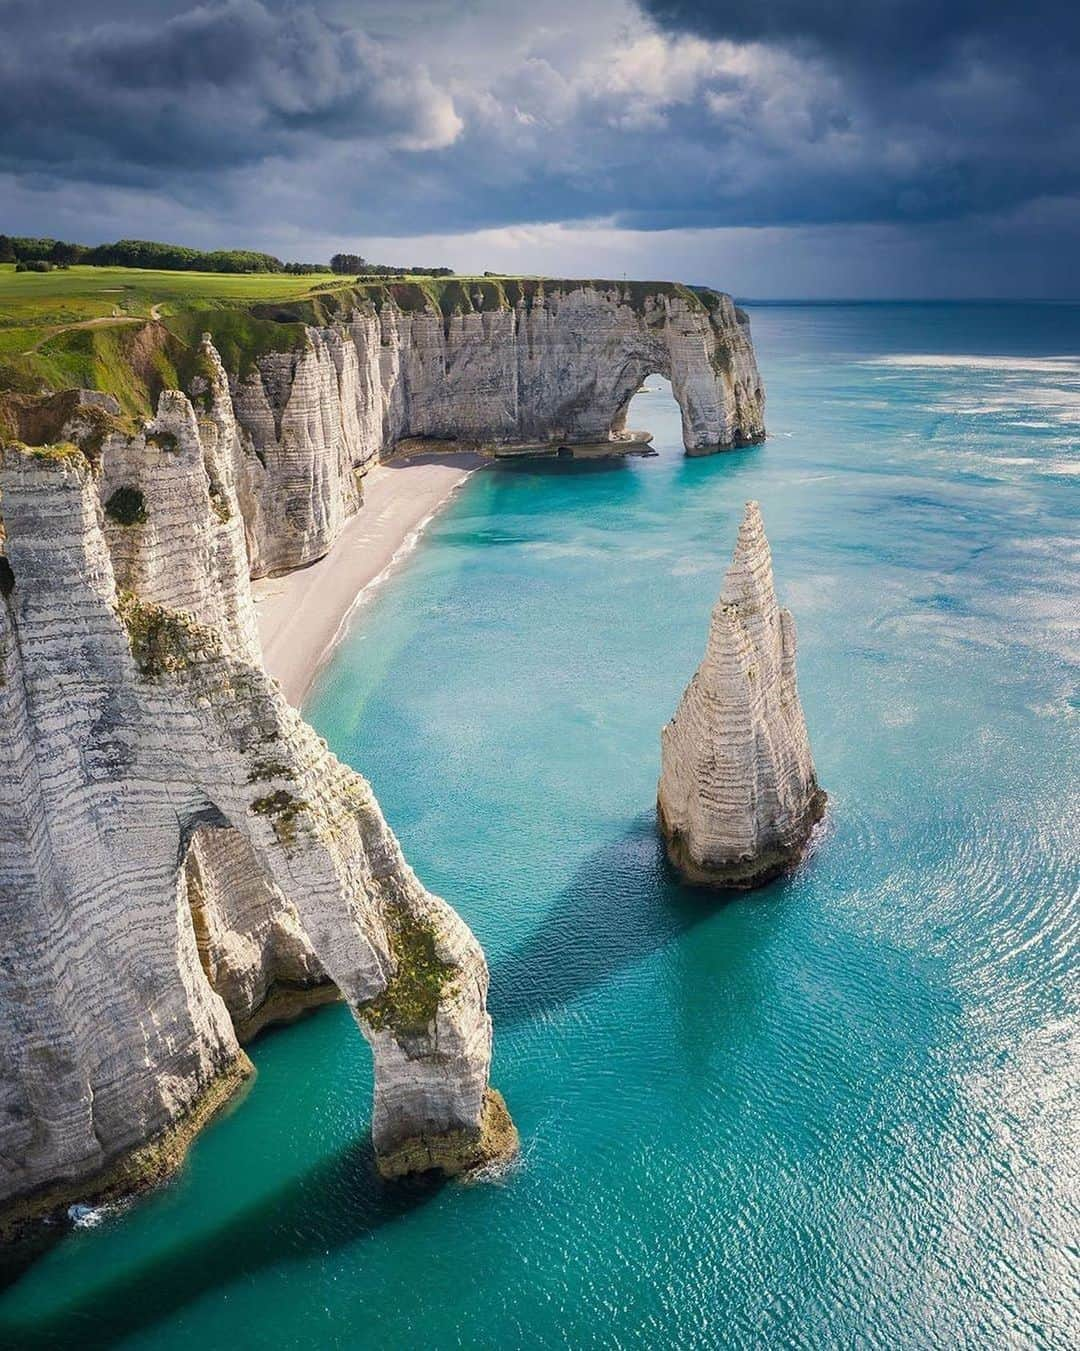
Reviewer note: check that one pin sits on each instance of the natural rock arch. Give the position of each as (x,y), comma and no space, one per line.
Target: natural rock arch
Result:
(131,725)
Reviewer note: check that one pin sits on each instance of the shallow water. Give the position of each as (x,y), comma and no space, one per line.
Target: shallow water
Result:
(841,1111)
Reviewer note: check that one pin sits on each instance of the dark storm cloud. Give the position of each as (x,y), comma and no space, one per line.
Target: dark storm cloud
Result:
(981,99)
(142,89)
(883,35)
(422,116)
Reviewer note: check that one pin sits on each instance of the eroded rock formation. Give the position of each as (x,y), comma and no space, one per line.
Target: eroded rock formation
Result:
(181,858)
(544,363)
(738,797)
(127,726)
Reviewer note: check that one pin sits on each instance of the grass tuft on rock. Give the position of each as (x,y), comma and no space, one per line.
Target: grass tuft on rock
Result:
(61,452)
(161,640)
(410,1001)
(283,810)
(162,440)
(219,504)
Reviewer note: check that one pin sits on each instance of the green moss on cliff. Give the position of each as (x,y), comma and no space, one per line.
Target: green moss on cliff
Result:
(126,506)
(722,359)
(450,296)
(161,640)
(219,504)
(411,999)
(267,769)
(61,452)
(283,810)
(163,440)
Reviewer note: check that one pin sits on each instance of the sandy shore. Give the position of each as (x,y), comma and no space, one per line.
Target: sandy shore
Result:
(303,614)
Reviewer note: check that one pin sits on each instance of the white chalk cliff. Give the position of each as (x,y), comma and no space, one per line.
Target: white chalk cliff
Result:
(528,364)
(738,797)
(132,722)
(181,857)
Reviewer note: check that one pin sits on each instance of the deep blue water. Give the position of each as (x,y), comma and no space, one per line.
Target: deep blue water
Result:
(840,1112)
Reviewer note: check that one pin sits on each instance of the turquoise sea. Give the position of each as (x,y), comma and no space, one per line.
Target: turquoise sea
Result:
(840,1112)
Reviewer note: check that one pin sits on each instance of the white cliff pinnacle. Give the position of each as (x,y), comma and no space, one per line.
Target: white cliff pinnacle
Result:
(738,798)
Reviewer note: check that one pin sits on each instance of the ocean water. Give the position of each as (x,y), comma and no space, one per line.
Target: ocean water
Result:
(839,1112)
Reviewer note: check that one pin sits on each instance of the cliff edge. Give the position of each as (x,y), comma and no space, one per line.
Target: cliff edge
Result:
(325,385)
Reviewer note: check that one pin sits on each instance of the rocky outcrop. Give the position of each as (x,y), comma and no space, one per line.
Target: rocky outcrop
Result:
(738,797)
(127,726)
(186,551)
(532,364)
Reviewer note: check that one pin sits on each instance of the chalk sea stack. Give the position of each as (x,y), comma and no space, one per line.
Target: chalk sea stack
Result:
(738,797)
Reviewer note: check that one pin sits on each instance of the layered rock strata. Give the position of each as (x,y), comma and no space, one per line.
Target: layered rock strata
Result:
(185,557)
(128,726)
(738,797)
(557,364)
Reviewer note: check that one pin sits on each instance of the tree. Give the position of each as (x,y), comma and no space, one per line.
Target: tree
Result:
(7,251)
(64,254)
(347,262)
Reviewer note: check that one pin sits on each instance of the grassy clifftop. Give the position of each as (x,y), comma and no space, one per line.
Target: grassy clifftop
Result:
(132,332)
(123,330)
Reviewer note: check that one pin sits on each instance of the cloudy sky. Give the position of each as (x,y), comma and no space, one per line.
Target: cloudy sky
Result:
(772,147)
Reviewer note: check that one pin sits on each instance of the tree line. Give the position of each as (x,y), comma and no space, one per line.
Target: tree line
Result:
(41,254)
(350,263)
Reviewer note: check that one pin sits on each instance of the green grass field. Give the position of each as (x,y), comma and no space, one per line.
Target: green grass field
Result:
(132,332)
(59,299)
(78,326)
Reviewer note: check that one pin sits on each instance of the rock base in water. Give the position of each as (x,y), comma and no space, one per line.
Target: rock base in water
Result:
(740,874)
(135,1170)
(457,1152)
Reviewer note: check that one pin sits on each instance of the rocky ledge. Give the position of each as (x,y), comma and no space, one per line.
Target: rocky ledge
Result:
(738,797)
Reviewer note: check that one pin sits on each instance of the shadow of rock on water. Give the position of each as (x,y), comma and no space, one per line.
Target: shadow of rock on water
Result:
(20,1255)
(623,903)
(564,467)
(331,1206)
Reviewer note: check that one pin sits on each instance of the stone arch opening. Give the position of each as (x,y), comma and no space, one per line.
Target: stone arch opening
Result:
(650,411)
(631,377)
(252,946)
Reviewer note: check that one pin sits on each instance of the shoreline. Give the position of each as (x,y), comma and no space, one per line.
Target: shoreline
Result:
(303,615)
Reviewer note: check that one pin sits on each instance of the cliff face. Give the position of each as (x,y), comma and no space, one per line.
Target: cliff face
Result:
(186,557)
(558,364)
(738,796)
(181,858)
(129,726)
